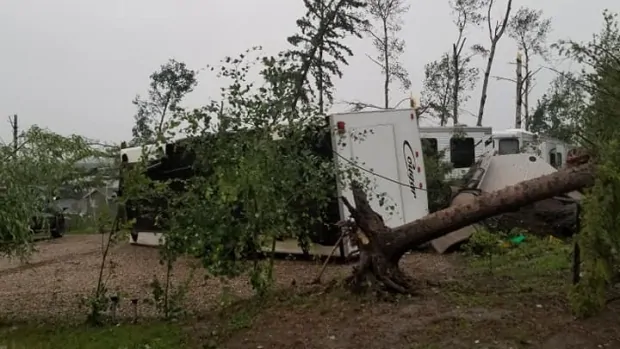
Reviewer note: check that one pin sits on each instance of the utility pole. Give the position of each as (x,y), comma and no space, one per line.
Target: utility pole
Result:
(518,119)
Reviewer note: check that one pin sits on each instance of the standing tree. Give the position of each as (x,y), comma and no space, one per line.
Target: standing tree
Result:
(560,111)
(319,47)
(438,94)
(32,173)
(437,89)
(598,238)
(386,23)
(529,29)
(168,86)
(495,34)
(467,14)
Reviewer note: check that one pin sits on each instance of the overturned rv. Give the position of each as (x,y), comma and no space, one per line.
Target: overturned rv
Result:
(554,216)
(390,155)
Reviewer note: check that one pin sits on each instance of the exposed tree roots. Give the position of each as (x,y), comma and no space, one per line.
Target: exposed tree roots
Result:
(375,271)
(375,274)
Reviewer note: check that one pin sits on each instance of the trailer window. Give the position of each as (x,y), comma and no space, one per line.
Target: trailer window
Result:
(508,146)
(552,158)
(462,152)
(429,146)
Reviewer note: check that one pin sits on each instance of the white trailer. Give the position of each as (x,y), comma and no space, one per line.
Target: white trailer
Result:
(388,153)
(462,145)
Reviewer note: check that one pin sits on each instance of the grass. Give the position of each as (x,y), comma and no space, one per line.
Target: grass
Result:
(129,336)
(535,268)
(532,260)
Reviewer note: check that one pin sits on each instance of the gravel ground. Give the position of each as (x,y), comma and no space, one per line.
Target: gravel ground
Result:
(54,250)
(63,272)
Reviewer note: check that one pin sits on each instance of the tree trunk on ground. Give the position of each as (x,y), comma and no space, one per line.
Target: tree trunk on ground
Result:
(381,247)
(547,217)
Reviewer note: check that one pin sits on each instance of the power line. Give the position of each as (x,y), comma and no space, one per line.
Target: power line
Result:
(376,174)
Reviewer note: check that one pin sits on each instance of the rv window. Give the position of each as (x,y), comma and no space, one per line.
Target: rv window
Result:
(558,160)
(508,146)
(429,146)
(462,152)
(552,158)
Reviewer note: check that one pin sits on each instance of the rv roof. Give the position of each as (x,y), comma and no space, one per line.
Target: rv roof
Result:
(369,110)
(512,132)
(450,129)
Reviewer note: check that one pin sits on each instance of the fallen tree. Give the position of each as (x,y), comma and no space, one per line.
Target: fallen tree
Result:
(381,248)
(556,217)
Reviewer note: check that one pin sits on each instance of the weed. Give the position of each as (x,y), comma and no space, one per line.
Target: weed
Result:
(167,299)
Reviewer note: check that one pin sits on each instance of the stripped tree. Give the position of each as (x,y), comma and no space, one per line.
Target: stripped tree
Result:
(466,14)
(529,29)
(386,23)
(495,31)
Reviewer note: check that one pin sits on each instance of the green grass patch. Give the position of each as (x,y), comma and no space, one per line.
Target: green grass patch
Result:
(533,257)
(129,336)
(499,270)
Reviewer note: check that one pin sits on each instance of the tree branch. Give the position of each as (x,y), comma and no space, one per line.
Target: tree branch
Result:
(490,27)
(375,61)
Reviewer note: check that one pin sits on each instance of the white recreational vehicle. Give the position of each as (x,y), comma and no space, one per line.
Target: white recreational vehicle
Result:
(390,155)
(514,141)
(463,145)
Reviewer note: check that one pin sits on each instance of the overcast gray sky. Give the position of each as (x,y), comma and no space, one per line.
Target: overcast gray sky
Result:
(75,65)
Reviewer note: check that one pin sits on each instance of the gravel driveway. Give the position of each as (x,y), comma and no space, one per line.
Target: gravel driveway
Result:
(64,271)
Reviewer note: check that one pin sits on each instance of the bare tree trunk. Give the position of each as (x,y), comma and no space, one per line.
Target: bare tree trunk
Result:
(15,127)
(526,88)
(162,117)
(445,102)
(386,62)
(319,82)
(485,85)
(457,83)
(494,36)
(381,247)
(519,92)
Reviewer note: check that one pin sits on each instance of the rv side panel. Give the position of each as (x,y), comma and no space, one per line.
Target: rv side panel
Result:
(385,148)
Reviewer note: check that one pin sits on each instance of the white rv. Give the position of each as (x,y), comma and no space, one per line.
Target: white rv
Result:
(463,145)
(389,154)
(514,141)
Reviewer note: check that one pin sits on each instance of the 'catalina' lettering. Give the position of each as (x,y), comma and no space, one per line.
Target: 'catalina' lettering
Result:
(410,162)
